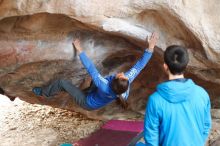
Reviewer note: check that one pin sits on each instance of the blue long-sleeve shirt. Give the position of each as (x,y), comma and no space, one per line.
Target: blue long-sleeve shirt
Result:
(177,114)
(104,94)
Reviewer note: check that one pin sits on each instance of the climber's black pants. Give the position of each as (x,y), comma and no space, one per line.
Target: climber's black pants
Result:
(79,97)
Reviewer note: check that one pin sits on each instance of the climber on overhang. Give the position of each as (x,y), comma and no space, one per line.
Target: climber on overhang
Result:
(102,90)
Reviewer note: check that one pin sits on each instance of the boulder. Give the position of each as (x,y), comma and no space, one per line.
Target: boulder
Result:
(36,36)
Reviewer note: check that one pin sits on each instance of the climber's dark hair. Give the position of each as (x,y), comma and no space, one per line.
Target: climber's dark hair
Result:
(2,91)
(120,86)
(176,58)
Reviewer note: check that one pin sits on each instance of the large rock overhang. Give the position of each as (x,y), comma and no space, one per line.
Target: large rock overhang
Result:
(35,48)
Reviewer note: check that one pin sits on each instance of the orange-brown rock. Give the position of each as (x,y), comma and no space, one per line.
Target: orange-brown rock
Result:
(35,45)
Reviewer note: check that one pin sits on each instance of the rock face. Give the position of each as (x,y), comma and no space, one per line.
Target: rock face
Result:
(35,45)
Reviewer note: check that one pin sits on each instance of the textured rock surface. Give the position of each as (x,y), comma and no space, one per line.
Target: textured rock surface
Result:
(35,45)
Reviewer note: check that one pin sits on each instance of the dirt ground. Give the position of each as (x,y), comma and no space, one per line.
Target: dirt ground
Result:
(24,124)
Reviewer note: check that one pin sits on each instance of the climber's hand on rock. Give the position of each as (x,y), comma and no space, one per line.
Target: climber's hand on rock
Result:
(152,41)
(77,45)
